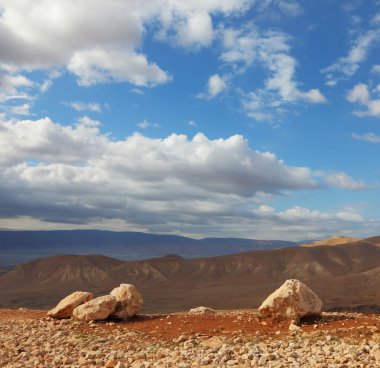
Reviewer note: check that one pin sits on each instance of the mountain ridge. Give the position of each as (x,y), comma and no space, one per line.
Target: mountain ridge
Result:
(343,275)
(20,246)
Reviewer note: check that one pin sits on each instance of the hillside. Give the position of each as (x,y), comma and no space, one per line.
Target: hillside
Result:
(335,240)
(343,275)
(23,246)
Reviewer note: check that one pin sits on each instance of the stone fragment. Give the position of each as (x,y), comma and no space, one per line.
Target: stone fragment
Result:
(96,309)
(292,300)
(293,327)
(213,342)
(202,310)
(129,301)
(65,307)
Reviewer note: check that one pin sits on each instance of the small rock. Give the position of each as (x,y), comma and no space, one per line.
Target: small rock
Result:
(202,310)
(293,327)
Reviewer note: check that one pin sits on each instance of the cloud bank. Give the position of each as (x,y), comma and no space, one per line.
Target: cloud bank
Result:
(77,175)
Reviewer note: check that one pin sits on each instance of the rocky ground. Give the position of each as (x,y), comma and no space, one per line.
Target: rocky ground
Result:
(224,339)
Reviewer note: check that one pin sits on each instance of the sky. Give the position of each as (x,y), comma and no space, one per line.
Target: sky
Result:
(236,118)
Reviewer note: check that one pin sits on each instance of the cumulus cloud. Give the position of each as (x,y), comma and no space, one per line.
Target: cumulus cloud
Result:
(76,175)
(246,47)
(215,86)
(105,66)
(348,65)
(361,95)
(367,137)
(98,41)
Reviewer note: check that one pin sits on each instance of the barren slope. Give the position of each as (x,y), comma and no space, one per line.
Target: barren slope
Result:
(343,275)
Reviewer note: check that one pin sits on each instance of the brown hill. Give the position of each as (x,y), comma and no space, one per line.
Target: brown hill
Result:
(343,275)
(335,240)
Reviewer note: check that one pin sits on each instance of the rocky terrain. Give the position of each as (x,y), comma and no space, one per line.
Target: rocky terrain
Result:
(224,339)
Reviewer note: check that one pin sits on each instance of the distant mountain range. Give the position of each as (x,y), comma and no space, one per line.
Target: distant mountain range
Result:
(21,246)
(342,275)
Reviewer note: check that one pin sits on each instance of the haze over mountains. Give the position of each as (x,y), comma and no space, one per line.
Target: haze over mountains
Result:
(21,246)
(342,275)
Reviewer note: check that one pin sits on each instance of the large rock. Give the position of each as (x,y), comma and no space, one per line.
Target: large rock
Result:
(292,300)
(96,309)
(65,307)
(129,301)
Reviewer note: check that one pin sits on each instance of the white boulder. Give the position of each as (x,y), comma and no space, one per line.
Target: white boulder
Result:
(202,310)
(292,300)
(129,301)
(65,307)
(96,309)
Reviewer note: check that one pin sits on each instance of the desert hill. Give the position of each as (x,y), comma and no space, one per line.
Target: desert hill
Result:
(335,240)
(343,275)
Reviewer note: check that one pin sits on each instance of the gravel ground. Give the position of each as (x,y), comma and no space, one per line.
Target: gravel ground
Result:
(28,339)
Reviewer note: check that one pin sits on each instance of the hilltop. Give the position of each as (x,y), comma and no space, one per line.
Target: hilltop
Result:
(335,240)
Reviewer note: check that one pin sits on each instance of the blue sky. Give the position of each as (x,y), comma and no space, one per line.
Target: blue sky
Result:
(256,119)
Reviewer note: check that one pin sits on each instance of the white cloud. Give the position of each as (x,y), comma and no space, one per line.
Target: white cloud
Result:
(344,181)
(277,9)
(76,175)
(46,85)
(376,18)
(291,8)
(367,137)
(361,95)
(137,91)
(14,86)
(106,66)
(23,109)
(197,29)
(215,86)
(348,65)
(145,124)
(376,68)
(189,23)
(301,214)
(247,47)
(82,106)
(282,67)
(98,40)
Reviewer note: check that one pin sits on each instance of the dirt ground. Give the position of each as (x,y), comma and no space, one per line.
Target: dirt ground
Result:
(234,324)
